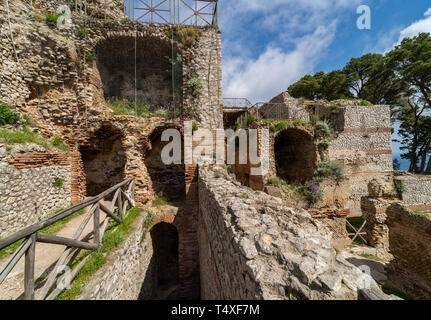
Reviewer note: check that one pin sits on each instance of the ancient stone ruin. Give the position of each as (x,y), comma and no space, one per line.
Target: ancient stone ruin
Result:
(95,99)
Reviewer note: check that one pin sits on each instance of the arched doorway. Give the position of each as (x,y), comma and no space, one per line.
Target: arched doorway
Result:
(295,155)
(104,160)
(165,268)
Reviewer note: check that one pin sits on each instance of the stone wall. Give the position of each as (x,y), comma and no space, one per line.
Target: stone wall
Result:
(364,147)
(404,238)
(410,244)
(251,247)
(126,274)
(27,193)
(416,193)
(51,79)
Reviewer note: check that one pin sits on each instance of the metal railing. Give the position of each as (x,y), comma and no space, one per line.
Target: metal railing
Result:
(240,103)
(123,195)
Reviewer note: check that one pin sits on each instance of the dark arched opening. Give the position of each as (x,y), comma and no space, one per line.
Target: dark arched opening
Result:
(295,156)
(104,160)
(167,180)
(152,73)
(165,270)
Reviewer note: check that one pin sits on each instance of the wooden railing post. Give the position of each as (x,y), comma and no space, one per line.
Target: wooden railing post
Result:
(30,255)
(120,205)
(96,220)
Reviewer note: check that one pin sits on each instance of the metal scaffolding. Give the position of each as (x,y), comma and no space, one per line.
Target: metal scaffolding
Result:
(184,12)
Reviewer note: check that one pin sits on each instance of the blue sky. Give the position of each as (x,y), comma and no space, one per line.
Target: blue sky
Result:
(268,45)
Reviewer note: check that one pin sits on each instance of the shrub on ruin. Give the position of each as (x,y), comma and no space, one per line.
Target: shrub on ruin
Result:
(324,144)
(329,169)
(322,129)
(58,143)
(217,174)
(249,120)
(91,56)
(160,201)
(7,115)
(400,187)
(58,182)
(299,123)
(82,33)
(195,87)
(276,182)
(311,191)
(50,17)
(188,35)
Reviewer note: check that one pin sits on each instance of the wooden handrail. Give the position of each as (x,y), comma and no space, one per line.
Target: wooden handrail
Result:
(73,245)
(59,216)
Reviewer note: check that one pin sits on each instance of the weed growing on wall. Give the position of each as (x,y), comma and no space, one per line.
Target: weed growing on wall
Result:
(195,87)
(329,169)
(7,115)
(58,182)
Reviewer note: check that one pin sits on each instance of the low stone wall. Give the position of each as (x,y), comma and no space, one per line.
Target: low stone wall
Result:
(27,193)
(126,275)
(252,247)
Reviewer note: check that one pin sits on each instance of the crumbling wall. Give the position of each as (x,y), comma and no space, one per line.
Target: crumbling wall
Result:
(251,247)
(27,191)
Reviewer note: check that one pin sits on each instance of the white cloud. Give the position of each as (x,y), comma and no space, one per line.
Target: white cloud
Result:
(423,25)
(274,70)
(268,45)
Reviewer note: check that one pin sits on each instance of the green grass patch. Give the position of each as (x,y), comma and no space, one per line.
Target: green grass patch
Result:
(54,228)
(150,219)
(49,17)
(58,143)
(114,235)
(370,257)
(423,213)
(160,201)
(25,135)
(279,126)
(10,249)
(127,107)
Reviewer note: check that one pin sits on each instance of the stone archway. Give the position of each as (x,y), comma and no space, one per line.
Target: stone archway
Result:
(295,155)
(104,160)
